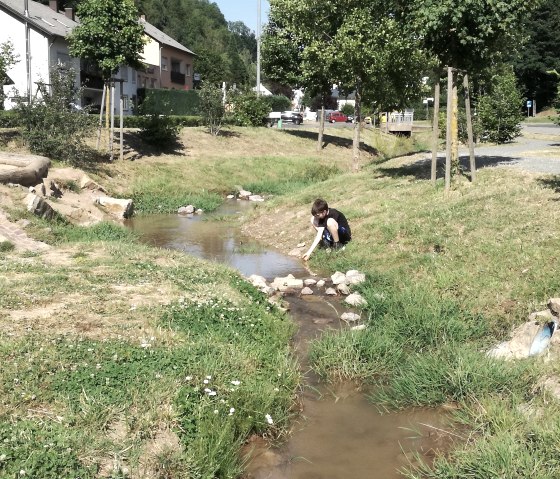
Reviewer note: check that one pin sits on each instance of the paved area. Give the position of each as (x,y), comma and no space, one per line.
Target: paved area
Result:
(13,233)
(536,151)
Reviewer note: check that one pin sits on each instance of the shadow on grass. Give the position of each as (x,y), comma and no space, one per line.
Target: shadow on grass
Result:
(421,169)
(331,140)
(552,182)
(133,141)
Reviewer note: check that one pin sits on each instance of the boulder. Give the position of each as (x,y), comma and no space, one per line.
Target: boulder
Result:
(39,207)
(119,208)
(350,317)
(26,170)
(257,281)
(355,277)
(330,292)
(186,210)
(244,194)
(86,183)
(343,288)
(554,305)
(320,283)
(258,198)
(338,278)
(355,299)
(289,282)
(306,291)
(309,282)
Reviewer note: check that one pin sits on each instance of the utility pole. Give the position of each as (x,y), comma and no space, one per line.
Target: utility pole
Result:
(258,47)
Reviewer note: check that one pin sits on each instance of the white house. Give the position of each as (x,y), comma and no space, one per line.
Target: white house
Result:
(38,33)
(38,36)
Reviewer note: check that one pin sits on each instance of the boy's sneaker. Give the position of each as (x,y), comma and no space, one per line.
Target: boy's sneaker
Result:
(337,246)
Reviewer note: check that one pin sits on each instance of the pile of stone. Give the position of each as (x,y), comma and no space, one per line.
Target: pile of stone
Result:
(523,337)
(243,194)
(339,284)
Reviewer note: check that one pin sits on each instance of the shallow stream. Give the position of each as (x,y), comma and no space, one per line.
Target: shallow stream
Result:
(339,434)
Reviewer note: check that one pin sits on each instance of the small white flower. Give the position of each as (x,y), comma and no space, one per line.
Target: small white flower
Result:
(212,393)
(206,381)
(216,411)
(231,410)
(206,390)
(188,378)
(276,389)
(208,377)
(22,472)
(236,383)
(269,419)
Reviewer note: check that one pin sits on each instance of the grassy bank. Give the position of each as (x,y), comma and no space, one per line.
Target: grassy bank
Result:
(121,360)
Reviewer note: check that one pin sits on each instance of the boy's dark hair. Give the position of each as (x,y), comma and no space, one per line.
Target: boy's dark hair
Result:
(319,205)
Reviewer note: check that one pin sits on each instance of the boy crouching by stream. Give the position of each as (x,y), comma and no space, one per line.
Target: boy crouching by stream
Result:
(333,230)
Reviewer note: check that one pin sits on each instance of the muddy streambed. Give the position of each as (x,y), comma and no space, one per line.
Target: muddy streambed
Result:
(339,433)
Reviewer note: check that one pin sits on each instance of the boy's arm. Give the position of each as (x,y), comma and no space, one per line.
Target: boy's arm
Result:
(315,242)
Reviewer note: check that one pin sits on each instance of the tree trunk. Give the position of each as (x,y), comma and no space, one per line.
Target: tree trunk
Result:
(435,132)
(448,128)
(321,128)
(356,139)
(469,127)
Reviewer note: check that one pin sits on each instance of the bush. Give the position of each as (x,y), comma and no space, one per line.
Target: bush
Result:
(500,110)
(159,130)
(278,102)
(249,109)
(348,109)
(212,108)
(50,126)
(169,102)
(9,119)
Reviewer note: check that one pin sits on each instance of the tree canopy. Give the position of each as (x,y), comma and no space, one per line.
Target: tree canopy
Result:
(109,35)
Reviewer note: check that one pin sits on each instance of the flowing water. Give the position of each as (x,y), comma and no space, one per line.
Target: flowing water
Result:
(339,434)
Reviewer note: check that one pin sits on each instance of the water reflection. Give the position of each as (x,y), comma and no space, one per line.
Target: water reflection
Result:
(214,237)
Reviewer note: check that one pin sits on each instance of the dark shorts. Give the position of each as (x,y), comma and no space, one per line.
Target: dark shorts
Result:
(343,236)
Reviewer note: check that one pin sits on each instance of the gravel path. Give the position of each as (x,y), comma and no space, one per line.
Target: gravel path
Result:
(536,151)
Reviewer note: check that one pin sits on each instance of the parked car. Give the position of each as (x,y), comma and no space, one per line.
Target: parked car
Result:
(336,116)
(293,116)
(350,119)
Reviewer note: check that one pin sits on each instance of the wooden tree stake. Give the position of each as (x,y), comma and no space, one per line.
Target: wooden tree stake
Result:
(469,127)
(435,132)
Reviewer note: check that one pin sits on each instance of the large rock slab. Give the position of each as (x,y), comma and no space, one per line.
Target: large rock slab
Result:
(286,283)
(39,207)
(26,170)
(119,208)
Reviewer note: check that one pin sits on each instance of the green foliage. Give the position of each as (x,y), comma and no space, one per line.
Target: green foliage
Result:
(109,35)
(278,102)
(347,109)
(212,108)
(169,102)
(159,130)
(157,199)
(8,58)
(50,127)
(500,110)
(9,119)
(248,109)
(6,246)
(138,121)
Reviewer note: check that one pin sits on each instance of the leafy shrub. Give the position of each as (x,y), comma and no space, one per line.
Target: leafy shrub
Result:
(9,119)
(212,108)
(278,102)
(169,102)
(500,110)
(159,130)
(6,246)
(248,109)
(348,109)
(50,126)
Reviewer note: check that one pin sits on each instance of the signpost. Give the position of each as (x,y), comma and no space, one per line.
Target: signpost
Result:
(529,106)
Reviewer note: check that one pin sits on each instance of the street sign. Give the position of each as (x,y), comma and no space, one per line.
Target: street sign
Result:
(529,103)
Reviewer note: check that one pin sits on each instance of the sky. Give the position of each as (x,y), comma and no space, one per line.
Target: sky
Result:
(244,10)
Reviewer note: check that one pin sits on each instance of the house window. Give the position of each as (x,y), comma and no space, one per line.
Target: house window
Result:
(188,70)
(153,82)
(175,66)
(133,76)
(124,73)
(126,102)
(164,63)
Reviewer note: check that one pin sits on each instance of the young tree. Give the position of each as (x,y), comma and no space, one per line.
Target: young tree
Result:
(212,107)
(8,58)
(109,35)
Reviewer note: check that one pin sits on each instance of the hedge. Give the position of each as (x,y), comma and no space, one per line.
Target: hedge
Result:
(168,102)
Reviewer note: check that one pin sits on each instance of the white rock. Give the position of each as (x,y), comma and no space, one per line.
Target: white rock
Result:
(306,291)
(330,292)
(355,277)
(355,299)
(186,210)
(338,278)
(350,317)
(309,282)
(230,197)
(121,208)
(256,198)
(87,183)
(257,281)
(360,327)
(321,283)
(343,288)
(199,211)
(282,284)
(244,194)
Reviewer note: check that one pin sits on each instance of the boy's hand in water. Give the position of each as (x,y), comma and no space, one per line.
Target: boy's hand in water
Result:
(305,257)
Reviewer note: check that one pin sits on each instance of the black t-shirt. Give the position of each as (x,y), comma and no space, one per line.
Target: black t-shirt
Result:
(339,218)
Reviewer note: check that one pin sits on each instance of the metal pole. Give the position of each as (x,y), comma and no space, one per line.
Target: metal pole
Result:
(448,131)
(27,51)
(258,47)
